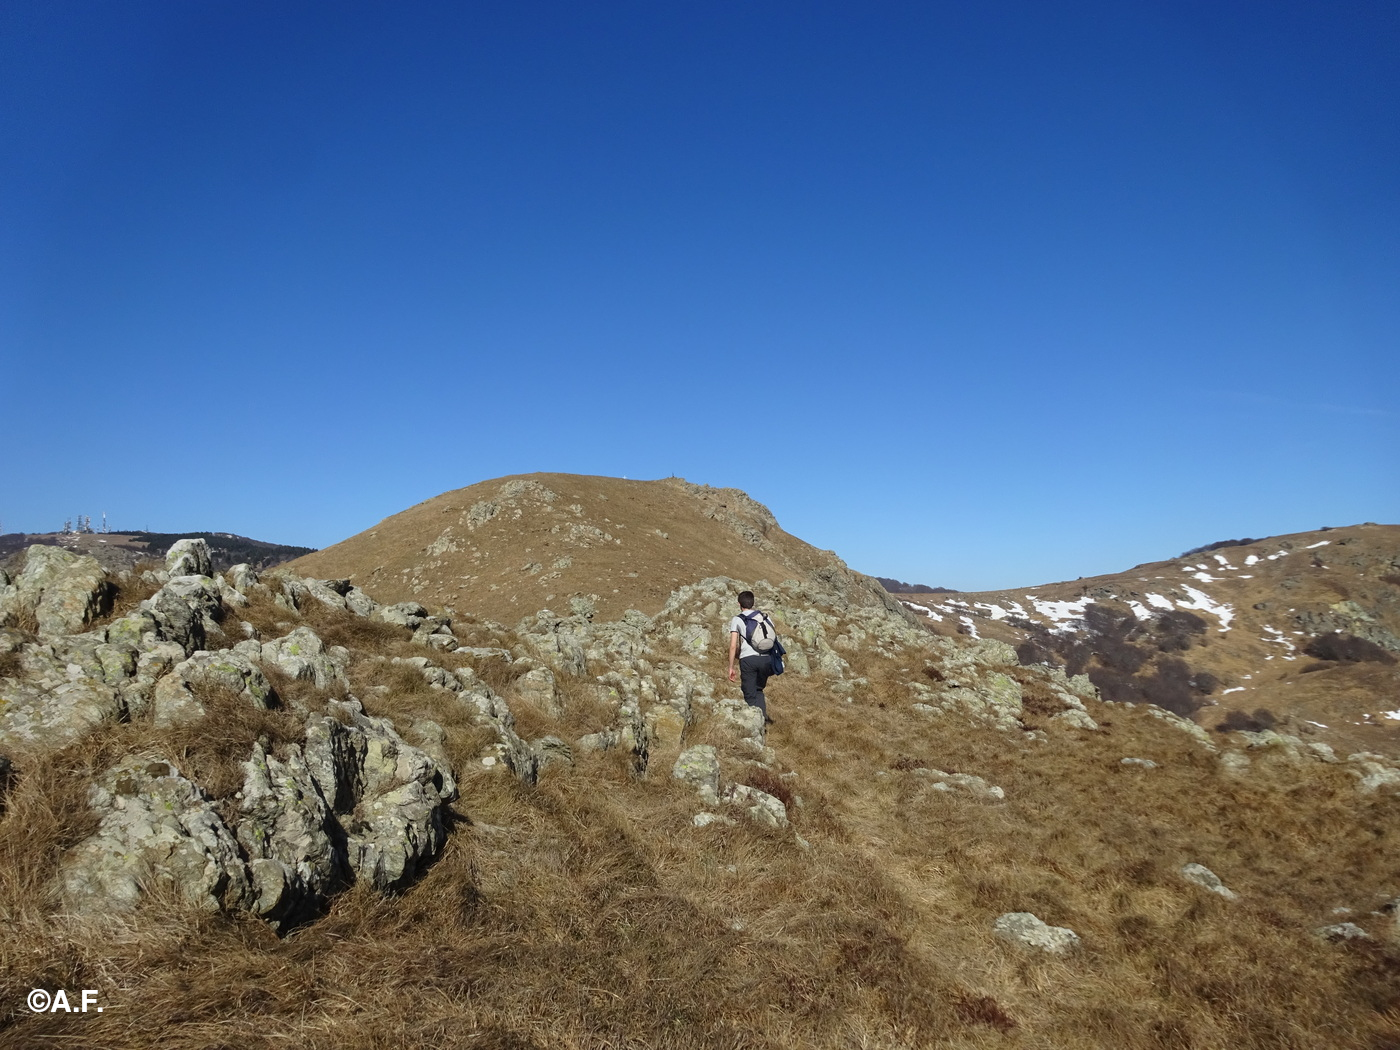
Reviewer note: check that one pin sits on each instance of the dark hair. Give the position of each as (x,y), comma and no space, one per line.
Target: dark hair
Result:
(746,599)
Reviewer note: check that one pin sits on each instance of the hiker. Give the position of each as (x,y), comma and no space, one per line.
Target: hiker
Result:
(754,665)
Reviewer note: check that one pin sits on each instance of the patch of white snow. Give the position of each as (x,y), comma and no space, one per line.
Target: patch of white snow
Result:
(923,609)
(1314,546)
(1204,577)
(1205,603)
(971,627)
(1236,689)
(1158,602)
(1252,559)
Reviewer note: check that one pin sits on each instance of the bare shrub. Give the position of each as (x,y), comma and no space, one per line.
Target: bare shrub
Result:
(1239,722)
(1347,649)
(982,1010)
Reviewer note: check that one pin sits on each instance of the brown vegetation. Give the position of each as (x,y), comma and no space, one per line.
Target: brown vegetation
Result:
(588,911)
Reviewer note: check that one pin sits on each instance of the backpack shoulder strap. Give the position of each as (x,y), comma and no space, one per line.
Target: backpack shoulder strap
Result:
(750,623)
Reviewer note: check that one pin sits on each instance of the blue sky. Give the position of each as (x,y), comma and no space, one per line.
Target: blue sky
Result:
(977,295)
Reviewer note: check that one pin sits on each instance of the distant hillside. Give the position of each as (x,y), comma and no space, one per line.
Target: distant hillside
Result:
(1300,632)
(122,550)
(900,587)
(506,548)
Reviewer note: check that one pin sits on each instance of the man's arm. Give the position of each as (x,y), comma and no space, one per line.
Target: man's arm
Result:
(733,650)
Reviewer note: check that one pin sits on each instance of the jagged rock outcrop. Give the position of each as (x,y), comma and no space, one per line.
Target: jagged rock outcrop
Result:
(158,829)
(354,803)
(387,795)
(60,592)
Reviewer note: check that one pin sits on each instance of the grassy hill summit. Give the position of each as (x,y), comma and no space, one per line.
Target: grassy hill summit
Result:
(504,548)
(304,807)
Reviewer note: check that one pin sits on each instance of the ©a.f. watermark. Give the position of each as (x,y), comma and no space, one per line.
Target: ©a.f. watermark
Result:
(43,1001)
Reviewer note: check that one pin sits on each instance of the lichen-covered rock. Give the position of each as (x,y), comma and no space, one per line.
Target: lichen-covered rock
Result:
(698,766)
(1341,932)
(1024,928)
(50,714)
(176,620)
(360,603)
(402,614)
(761,807)
(301,654)
(156,828)
(289,835)
(1206,879)
(1373,771)
(61,590)
(189,557)
(961,783)
(387,795)
(538,687)
(231,670)
(174,702)
(242,577)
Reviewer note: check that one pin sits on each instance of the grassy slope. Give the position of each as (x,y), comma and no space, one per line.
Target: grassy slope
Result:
(1358,564)
(659,536)
(588,912)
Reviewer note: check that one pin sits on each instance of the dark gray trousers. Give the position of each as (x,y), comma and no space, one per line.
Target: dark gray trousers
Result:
(753,676)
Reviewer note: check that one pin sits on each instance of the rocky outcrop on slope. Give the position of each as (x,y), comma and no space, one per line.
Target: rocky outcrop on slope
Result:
(354,798)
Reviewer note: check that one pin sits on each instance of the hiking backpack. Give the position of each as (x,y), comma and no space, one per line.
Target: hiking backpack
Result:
(758,631)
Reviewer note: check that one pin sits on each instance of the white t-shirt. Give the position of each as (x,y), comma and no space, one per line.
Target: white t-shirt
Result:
(738,624)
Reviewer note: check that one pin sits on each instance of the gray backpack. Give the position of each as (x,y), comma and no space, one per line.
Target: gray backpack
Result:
(758,631)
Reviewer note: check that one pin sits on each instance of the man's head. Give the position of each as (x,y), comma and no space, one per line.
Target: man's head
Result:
(746,599)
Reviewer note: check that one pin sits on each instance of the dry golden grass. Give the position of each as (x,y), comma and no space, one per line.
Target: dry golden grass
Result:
(587,911)
(131,591)
(662,535)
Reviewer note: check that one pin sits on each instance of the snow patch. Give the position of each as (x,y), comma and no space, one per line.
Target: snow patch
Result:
(922,609)
(1236,689)
(1204,577)
(1225,562)
(1392,715)
(1061,613)
(971,627)
(1158,602)
(1314,546)
(1205,603)
(1253,559)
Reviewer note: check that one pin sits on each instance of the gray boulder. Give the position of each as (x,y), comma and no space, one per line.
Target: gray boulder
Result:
(156,828)
(403,614)
(961,783)
(53,714)
(761,807)
(1023,928)
(289,834)
(301,654)
(1342,931)
(242,578)
(189,558)
(387,796)
(60,590)
(1207,879)
(698,766)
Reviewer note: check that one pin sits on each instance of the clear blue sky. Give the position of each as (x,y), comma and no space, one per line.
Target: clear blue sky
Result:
(977,295)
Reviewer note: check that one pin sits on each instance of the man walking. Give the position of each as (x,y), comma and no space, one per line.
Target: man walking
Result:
(754,666)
